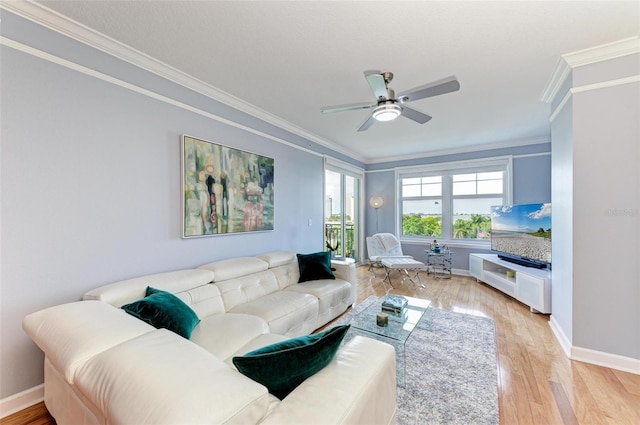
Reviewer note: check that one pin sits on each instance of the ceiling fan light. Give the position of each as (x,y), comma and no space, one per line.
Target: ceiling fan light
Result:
(388,112)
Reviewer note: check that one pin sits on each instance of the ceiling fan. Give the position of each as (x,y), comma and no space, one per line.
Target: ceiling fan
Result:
(389,107)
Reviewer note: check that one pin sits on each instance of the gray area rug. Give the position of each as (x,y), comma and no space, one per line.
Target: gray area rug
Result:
(451,370)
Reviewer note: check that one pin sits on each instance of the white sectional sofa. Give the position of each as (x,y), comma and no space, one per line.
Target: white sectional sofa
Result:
(104,366)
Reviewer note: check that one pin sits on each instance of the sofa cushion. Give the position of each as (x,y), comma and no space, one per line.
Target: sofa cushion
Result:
(160,378)
(235,267)
(286,274)
(258,342)
(162,309)
(334,297)
(127,291)
(244,289)
(282,366)
(287,313)
(315,266)
(223,334)
(278,258)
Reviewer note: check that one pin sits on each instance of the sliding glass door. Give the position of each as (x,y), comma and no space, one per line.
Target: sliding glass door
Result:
(342,212)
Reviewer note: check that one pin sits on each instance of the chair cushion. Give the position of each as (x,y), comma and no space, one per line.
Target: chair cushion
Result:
(315,266)
(162,309)
(282,366)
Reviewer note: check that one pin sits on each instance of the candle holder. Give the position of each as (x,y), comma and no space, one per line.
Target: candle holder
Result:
(382,320)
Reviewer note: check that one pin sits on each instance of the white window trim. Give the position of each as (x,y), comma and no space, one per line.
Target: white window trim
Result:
(338,166)
(457,167)
(342,167)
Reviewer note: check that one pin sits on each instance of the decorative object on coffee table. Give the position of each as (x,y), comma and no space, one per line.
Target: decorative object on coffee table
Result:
(395,305)
(382,319)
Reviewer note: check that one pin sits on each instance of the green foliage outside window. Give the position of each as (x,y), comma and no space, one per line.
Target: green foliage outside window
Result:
(417,225)
(476,227)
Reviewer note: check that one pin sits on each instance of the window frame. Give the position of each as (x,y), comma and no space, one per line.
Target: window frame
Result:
(346,170)
(447,170)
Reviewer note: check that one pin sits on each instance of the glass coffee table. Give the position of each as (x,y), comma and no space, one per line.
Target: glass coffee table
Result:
(395,333)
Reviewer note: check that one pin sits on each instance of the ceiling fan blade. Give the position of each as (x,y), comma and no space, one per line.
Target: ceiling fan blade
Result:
(349,107)
(446,85)
(377,84)
(414,115)
(368,123)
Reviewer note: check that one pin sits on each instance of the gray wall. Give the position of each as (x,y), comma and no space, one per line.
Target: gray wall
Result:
(562,219)
(531,183)
(597,152)
(90,178)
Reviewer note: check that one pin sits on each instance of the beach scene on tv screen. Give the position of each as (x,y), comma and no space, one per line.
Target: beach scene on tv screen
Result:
(523,230)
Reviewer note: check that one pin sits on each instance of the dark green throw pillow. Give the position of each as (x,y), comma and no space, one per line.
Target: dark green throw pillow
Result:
(281,367)
(162,309)
(315,266)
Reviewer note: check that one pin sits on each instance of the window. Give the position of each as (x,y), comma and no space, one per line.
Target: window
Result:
(452,201)
(342,209)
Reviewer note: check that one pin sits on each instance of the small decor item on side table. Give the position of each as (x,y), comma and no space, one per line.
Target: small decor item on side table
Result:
(435,247)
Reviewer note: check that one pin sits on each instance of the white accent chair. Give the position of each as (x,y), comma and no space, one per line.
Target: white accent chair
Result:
(385,250)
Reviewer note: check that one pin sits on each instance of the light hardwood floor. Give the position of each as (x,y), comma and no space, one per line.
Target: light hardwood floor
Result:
(537,383)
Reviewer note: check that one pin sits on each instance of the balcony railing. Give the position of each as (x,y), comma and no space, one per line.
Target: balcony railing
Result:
(332,232)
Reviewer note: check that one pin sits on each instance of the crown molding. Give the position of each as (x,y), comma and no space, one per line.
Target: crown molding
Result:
(590,87)
(467,149)
(616,49)
(560,73)
(568,61)
(59,23)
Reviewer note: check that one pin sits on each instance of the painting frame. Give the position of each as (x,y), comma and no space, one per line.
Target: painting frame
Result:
(225,190)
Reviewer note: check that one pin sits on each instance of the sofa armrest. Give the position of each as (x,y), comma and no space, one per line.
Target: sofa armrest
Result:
(70,334)
(346,270)
(357,387)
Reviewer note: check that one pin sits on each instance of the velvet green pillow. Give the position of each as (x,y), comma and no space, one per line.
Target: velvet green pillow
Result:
(281,367)
(162,309)
(315,266)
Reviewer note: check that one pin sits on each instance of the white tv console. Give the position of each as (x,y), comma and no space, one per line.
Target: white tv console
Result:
(528,285)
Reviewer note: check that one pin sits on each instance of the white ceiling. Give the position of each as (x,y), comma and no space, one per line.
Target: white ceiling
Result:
(290,58)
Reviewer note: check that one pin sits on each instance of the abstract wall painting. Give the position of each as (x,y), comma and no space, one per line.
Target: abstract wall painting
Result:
(225,190)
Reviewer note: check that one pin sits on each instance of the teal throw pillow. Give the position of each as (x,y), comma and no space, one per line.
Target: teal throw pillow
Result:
(281,367)
(315,266)
(162,309)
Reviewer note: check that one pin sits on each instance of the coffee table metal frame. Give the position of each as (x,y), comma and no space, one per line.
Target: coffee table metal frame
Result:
(396,333)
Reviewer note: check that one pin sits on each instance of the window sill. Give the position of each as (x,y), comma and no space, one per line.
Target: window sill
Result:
(451,243)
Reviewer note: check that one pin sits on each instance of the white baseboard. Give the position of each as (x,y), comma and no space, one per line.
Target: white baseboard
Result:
(22,400)
(612,361)
(560,336)
(600,358)
(460,272)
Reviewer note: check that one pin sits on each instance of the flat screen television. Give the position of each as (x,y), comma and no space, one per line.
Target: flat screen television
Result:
(521,234)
